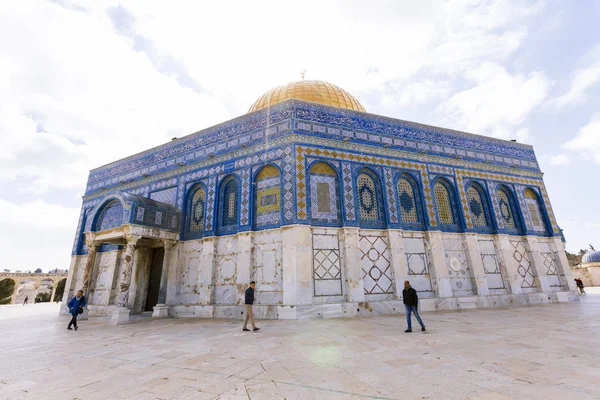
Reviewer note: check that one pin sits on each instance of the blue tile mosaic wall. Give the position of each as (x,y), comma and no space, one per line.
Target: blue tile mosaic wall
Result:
(110,217)
(293,136)
(167,196)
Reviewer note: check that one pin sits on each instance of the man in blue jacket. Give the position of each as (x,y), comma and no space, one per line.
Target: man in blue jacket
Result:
(75,305)
(249,300)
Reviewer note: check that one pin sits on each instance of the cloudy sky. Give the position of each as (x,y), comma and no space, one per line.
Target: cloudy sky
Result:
(83,83)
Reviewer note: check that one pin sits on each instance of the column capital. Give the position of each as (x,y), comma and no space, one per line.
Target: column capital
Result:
(132,239)
(92,244)
(168,243)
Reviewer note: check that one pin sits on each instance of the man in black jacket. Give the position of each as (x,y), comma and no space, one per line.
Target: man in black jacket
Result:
(411,303)
(249,301)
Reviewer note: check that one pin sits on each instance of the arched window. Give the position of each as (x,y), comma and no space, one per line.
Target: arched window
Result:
(369,204)
(444,203)
(478,206)
(196,207)
(229,204)
(408,201)
(111,216)
(324,194)
(267,205)
(507,209)
(533,206)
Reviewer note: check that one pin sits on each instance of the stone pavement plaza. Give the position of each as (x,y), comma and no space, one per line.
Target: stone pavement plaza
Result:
(536,352)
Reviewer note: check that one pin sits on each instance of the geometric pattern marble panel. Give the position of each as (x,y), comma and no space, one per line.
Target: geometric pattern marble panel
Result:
(525,270)
(327,270)
(375,264)
(491,265)
(418,266)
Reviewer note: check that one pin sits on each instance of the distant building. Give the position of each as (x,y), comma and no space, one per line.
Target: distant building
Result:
(589,269)
(329,208)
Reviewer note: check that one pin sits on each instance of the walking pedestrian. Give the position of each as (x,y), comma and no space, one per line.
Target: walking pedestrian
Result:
(411,303)
(249,300)
(580,286)
(76,305)
(26,300)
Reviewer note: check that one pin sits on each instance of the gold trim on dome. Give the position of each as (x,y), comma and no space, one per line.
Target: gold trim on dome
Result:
(308,90)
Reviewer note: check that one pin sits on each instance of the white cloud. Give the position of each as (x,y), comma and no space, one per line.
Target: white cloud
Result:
(83,83)
(36,234)
(497,103)
(560,159)
(587,141)
(583,79)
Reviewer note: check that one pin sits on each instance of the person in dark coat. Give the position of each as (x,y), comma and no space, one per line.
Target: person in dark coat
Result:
(76,305)
(580,286)
(411,303)
(249,300)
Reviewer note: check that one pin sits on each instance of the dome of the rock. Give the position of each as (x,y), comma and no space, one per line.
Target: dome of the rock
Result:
(590,257)
(308,90)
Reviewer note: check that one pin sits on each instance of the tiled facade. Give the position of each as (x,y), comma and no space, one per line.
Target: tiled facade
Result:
(300,164)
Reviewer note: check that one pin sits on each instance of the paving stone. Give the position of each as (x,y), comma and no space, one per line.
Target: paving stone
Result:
(535,352)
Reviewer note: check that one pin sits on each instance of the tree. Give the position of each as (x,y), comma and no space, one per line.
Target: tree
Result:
(44,297)
(38,271)
(7,288)
(60,290)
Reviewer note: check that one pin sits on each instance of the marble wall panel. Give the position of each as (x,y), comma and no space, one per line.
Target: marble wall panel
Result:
(419,270)
(459,270)
(327,263)
(376,268)
(267,267)
(225,275)
(494,275)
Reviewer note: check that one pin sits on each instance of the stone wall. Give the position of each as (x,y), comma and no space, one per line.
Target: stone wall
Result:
(304,272)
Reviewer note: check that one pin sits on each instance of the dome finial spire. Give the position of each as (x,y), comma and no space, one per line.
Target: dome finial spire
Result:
(302,72)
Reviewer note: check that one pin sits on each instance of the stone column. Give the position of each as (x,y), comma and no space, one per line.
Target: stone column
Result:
(538,264)
(161,309)
(437,257)
(70,277)
(297,265)
(53,292)
(121,314)
(474,258)
(354,282)
(506,257)
(244,265)
(89,266)
(563,264)
(206,271)
(398,259)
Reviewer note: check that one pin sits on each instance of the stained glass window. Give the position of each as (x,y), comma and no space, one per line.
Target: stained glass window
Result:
(408,204)
(196,211)
(533,205)
(324,204)
(268,196)
(443,204)
(229,203)
(111,216)
(506,211)
(477,207)
(367,198)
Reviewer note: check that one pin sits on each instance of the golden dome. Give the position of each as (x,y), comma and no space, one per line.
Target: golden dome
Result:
(315,91)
